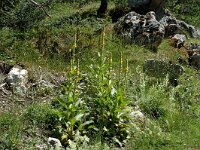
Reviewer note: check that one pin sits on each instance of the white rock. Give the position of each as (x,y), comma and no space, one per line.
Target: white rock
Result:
(137,115)
(17,79)
(54,142)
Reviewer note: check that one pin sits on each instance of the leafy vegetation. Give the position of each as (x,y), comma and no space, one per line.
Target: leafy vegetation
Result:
(105,82)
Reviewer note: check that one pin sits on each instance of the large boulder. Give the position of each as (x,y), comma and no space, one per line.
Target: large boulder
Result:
(149,31)
(142,29)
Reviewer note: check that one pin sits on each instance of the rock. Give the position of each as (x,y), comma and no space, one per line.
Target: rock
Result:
(160,69)
(55,143)
(137,115)
(148,31)
(156,68)
(142,29)
(194,61)
(174,26)
(17,80)
(178,40)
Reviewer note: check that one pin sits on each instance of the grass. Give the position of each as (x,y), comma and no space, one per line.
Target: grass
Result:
(175,125)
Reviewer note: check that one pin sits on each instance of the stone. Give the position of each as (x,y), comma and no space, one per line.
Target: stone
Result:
(160,69)
(178,40)
(17,80)
(194,61)
(54,143)
(141,29)
(149,31)
(174,26)
(137,117)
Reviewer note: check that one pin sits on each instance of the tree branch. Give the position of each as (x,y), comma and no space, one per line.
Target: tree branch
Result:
(40,7)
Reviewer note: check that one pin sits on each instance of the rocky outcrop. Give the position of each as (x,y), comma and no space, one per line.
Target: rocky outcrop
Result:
(149,31)
(142,29)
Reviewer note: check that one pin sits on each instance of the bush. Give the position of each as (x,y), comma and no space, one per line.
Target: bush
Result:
(22,14)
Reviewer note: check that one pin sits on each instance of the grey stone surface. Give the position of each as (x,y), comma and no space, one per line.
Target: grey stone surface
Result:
(17,80)
(142,29)
(178,40)
(147,30)
(194,61)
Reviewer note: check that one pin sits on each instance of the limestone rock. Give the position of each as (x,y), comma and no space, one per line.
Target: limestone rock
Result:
(174,26)
(17,79)
(178,40)
(54,143)
(137,116)
(142,29)
(149,29)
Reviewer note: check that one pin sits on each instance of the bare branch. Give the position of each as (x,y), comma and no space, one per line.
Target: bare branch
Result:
(40,7)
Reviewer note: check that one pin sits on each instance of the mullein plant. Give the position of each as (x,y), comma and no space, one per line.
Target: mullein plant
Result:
(98,107)
(70,108)
(108,100)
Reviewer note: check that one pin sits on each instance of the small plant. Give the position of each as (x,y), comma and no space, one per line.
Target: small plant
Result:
(152,97)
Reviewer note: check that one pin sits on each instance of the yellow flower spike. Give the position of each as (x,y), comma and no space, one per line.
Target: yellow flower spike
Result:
(110,62)
(70,69)
(121,62)
(77,69)
(74,47)
(121,66)
(126,69)
(103,37)
(75,40)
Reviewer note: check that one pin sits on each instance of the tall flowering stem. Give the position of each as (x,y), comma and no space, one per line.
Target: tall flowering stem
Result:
(126,73)
(102,43)
(110,64)
(121,66)
(74,48)
(77,69)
